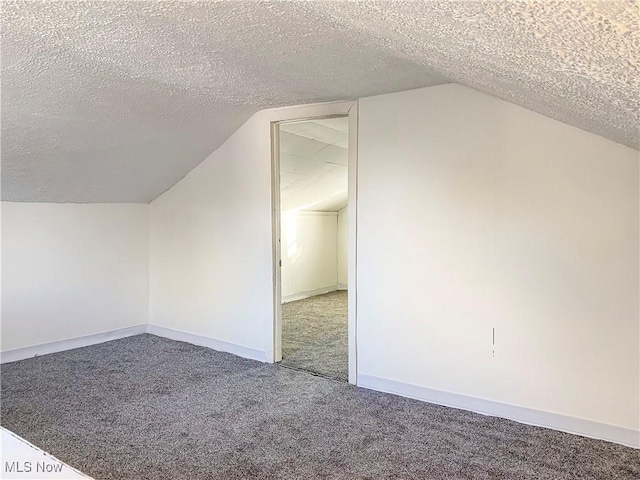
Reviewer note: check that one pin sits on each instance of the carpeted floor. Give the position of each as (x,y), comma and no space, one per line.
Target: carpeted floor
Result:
(314,335)
(149,408)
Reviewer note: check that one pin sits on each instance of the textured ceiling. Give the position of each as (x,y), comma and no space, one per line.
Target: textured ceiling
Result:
(116,101)
(314,165)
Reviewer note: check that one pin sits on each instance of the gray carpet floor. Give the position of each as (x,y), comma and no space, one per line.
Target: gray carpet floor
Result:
(149,408)
(314,335)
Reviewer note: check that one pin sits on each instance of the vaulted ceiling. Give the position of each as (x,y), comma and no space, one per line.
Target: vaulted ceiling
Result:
(116,101)
(314,165)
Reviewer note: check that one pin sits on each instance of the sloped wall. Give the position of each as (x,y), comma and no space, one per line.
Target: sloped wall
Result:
(210,245)
(498,256)
(211,267)
(478,221)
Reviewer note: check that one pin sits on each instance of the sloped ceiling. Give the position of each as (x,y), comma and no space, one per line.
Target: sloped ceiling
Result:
(314,173)
(116,101)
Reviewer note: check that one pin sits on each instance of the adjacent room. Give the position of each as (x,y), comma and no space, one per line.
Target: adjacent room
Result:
(313,242)
(320,240)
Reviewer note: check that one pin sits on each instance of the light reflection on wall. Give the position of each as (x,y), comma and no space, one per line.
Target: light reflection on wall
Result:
(289,228)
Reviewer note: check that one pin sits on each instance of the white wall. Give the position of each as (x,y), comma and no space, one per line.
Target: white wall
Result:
(475,214)
(210,245)
(309,252)
(343,247)
(211,267)
(70,270)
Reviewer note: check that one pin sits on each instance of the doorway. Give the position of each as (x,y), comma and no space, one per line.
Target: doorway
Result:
(312,176)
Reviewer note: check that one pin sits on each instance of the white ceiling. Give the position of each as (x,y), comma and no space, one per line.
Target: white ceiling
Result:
(314,165)
(116,101)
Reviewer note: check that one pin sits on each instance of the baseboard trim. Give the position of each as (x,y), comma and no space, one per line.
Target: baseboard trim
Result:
(311,293)
(208,342)
(341,286)
(555,421)
(68,344)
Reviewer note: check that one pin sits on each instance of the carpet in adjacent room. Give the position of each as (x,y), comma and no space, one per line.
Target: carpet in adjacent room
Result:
(314,335)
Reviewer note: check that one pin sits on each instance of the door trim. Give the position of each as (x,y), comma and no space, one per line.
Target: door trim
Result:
(314,113)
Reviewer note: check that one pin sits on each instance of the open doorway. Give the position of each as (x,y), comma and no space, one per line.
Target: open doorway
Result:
(313,174)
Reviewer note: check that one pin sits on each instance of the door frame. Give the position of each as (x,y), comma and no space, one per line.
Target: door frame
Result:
(316,112)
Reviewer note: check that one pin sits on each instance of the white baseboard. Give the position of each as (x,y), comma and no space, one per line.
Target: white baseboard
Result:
(341,286)
(70,343)
(555,421)
(202,341)
(312,293)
